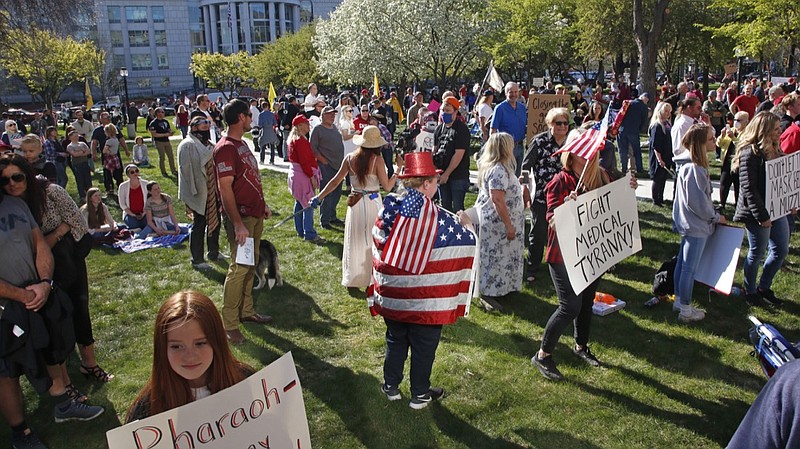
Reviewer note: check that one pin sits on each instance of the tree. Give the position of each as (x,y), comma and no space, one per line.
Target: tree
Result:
(647,31)
(61,17)
(223,72)
(291,60)
(604,29)
(48,64)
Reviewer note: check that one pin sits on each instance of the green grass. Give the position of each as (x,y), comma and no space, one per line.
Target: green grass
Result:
(665,384)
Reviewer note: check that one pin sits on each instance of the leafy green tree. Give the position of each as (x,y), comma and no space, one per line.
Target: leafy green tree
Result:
(224,72)
(291,60)
(47,64)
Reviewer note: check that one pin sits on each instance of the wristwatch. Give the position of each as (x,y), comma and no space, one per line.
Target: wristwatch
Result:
(50,282)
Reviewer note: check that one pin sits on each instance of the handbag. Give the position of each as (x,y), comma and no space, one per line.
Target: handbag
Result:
(354,198)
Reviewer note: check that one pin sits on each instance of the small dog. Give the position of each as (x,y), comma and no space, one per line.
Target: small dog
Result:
(268,270)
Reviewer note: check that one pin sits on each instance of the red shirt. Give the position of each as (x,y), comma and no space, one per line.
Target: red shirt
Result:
(233,158)
(300,152)
(136,200)
(747,104)
(359,123)
(790,139)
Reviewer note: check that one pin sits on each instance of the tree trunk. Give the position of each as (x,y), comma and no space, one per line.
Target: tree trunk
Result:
(705,80)
(619,65)
(647,41)
(601,73)
(635,70)
(791,60)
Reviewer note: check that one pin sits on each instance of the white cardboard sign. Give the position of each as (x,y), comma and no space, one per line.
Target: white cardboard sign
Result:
(783,185)
(598,230)
(424,141)
(717,265)
(265,410)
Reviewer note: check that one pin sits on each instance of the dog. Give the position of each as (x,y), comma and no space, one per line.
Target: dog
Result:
(268,270)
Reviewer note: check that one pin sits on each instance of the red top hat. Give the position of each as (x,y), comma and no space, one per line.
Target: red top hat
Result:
(419,164)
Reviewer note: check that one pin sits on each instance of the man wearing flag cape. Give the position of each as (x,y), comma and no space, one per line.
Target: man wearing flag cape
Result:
(422,277)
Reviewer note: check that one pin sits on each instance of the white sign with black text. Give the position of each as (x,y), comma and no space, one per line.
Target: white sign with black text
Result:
(783,185)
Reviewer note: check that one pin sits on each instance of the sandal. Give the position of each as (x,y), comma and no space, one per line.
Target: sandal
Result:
(75,394)
(96,372)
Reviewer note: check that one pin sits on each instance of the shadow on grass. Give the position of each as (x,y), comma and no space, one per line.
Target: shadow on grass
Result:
(543,438)
(296,310)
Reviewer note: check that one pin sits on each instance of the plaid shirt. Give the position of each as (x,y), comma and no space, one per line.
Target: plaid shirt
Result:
(386,134)
(51,150)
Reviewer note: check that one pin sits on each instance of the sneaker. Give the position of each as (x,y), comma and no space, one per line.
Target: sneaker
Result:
(755,300)
(547,367)
(652,301)
(769,297)
(201,266)
(676,305)
(23,441)
(392,393)
(690,313)
(587,356)
(316,240)
(77,411)
(418,402)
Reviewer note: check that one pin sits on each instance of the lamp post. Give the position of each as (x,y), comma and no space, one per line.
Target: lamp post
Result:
(123,72)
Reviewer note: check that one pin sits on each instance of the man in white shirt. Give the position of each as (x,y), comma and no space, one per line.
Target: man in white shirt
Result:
(254,111)
(311,98)
(691,113)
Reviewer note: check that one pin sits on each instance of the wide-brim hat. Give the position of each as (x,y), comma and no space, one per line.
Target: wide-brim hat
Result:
(370,137)
(419,165)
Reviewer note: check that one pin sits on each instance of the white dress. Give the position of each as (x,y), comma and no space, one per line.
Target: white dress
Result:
(358,223)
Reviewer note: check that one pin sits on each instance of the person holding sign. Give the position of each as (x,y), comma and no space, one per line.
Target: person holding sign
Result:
(760,142)
(693,216)
(191,356)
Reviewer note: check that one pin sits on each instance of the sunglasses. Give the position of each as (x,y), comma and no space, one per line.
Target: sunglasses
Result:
(16,177)
(561,123)
(135,170)
(13,125)
(201,122)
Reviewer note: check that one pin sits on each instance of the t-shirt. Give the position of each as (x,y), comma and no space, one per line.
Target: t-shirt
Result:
(113,146)
(747,104)
(328,143)
(77,147)
(160,126)
(16,241)
(453,138)
(359,123)
(159,210)
(99,134)
(233,157)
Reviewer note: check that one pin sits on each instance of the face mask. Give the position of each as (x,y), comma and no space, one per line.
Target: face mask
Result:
(447,118)
(204,136)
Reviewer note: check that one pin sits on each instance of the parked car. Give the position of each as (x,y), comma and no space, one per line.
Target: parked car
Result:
(21,115)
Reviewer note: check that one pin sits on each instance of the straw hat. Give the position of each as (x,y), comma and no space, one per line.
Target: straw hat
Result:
(370,138)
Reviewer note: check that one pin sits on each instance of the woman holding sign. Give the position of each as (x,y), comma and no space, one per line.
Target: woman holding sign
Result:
(760,142)
(693,215)
(191,356)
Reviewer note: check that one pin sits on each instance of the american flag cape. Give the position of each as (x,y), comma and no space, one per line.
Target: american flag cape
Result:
(594,138)
(422,262)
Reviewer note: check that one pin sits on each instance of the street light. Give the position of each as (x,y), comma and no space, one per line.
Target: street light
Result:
(123,72)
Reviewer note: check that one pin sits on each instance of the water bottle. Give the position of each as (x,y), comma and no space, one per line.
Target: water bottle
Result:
(736,291)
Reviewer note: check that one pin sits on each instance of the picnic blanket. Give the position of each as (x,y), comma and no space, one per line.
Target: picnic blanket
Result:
(152,241)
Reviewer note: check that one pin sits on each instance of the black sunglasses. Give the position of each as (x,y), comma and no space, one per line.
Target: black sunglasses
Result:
(16,177)
(132,171)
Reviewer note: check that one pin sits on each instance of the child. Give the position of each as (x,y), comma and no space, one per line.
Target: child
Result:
(140,153)
(31,149)
(160,214)
(191,356)
(79,152)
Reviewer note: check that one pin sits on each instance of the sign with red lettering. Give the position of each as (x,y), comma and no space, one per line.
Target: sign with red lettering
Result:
(264,411)
(597,230)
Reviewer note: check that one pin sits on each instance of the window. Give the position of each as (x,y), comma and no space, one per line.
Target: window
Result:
(165,81)
(119,61)
(141,62)
(258,11)
(114,14)
(143,82)
(197,33)
(116,38)
(139,38)
(158,13)
(161,38)
(136,14)
(289,16)
(163,61)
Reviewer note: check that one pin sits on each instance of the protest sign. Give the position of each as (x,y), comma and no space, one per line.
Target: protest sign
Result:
(731,68)
(265,410)
(538,105)
(718,263)
(597,230)
(424,141)
(783,185)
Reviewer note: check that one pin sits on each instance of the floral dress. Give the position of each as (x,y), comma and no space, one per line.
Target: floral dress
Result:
(500,259)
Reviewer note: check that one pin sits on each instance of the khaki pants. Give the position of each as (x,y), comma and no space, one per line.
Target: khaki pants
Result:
(165,149)
(237,293)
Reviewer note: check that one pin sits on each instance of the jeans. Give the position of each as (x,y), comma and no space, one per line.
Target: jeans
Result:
(776,239)
(110,176)
(388,159)
(689,255)
(519,152)
(571,308)
(537,239)
(423,340)
(135,223)
(626,142)
(327,210)
(284,139)
(237,291)
(184,130)
(61,174)
(197,236)
(83,178)
(304,222)
(453,193)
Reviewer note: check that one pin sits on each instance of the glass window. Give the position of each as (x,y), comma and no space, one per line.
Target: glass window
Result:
(143,82)
(161,38)
(136,14)
(258,11)
(139,38)
(141,62)
(260,32)
(114,14)
(116,38)
(163,61)
(158,13)
(119,61)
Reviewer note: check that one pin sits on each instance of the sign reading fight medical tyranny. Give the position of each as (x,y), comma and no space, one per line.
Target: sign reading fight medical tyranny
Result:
(264,411)
(597,230)
(783,185)
(538,105)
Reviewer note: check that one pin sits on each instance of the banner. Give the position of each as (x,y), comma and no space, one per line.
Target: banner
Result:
(718,263)
(265,410)
(783,185)
(538,105)
(597,230)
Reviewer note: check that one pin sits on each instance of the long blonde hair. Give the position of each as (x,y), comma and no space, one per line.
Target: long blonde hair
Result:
(499,149)
(758,134)
(657,112)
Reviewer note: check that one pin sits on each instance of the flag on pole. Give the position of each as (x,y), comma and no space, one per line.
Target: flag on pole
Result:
(376,88)
(493,78)
(272,95)
(592,140)
(88,93)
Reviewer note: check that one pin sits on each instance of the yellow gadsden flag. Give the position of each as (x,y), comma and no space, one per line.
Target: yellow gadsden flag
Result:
(377,88)
(89,101)
(272,95)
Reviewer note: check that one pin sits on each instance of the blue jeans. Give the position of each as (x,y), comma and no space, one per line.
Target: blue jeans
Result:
(388,159)
(83,178)
(453,193)
(519,152)
(688,257)
(626,142)
(423,341)
(135,223)
(304,223)
(148,230)
(776,239)
(327,210)
(61,174)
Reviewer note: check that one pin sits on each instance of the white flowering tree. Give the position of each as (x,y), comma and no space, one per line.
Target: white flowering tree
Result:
(400,40)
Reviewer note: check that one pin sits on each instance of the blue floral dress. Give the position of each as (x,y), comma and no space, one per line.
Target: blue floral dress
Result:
(500,259)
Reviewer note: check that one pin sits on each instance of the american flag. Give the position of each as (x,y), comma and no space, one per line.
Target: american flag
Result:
(593,139)
(422,262)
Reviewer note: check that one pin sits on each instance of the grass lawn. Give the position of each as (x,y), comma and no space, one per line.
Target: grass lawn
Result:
(664,384)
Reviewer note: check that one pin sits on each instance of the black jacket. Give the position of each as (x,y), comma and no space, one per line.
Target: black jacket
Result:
(751,207)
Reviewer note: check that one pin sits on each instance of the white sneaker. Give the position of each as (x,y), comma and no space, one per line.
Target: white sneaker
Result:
(689,314)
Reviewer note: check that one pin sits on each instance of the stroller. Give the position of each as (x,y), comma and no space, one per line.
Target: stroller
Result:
(770,347)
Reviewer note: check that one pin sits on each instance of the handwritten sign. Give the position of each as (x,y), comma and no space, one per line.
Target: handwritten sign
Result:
(783,185)
(538,105)
(720,256)
(424,141)
(597,230)
(265,410)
